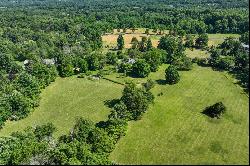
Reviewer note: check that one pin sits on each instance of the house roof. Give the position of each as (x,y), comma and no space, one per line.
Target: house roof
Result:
(49,61)
(245,45)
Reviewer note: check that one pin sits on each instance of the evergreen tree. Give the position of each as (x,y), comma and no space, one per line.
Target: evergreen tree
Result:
(120,42)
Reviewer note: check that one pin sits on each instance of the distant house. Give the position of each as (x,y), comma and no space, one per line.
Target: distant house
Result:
(131,61)
(26,62)
(245,47)
(49,61)
(77,69)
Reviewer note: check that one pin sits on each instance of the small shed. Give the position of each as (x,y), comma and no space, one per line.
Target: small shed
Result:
(245,47)
(49,61)
(131,61)
(26,62)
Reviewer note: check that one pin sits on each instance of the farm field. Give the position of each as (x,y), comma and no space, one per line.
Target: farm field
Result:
(110,40)
(174,131)
(65,100)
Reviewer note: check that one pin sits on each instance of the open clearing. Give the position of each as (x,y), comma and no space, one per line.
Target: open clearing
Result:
(174,131)
(215,39)
(65,100)
(196,53)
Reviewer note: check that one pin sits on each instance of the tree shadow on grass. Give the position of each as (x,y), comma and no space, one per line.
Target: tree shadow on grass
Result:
(111,103)
(207,113)
(161,82)
(210,112)
(113,49)
(241,80)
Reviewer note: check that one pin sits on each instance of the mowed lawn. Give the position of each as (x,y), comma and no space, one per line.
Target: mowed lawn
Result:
(196,53)
(174,131)
(215,39)
(65,100)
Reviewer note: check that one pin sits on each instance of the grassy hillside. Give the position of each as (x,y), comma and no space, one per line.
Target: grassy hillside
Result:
(66,99)
(174,131)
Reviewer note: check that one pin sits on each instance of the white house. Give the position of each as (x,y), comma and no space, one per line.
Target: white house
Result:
(245,46)
(49,61)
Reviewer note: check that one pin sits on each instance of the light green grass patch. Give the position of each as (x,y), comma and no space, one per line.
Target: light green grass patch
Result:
(65,100)
(216,39)
(196,53)
(174,131)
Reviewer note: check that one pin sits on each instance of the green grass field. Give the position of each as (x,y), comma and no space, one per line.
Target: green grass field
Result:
(196,53)
(174,131)
(65,100)
(215,39)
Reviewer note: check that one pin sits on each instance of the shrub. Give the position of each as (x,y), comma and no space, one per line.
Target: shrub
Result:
(171,74)
(125,68)
(183,63)
(215,110)
(141,68)
(65,70)
(81,75)
(201,61)
(153,58)
(44,131)
(111,58)
(116,128)
(136,100)
(120,111)
(83,65)
(201,41)
(149,84)
(100,140)
(225,63)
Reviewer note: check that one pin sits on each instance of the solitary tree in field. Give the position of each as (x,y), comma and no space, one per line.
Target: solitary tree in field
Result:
(120,42)
(136,100)
(134,43)
(172,75)
(147,31)
(143,44)
(215,110)
(155,30)
(133,30)
(134,40)
(124,30)
(144,39)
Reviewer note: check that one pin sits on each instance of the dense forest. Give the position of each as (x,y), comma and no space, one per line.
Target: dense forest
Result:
(68,32)
(116,3)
